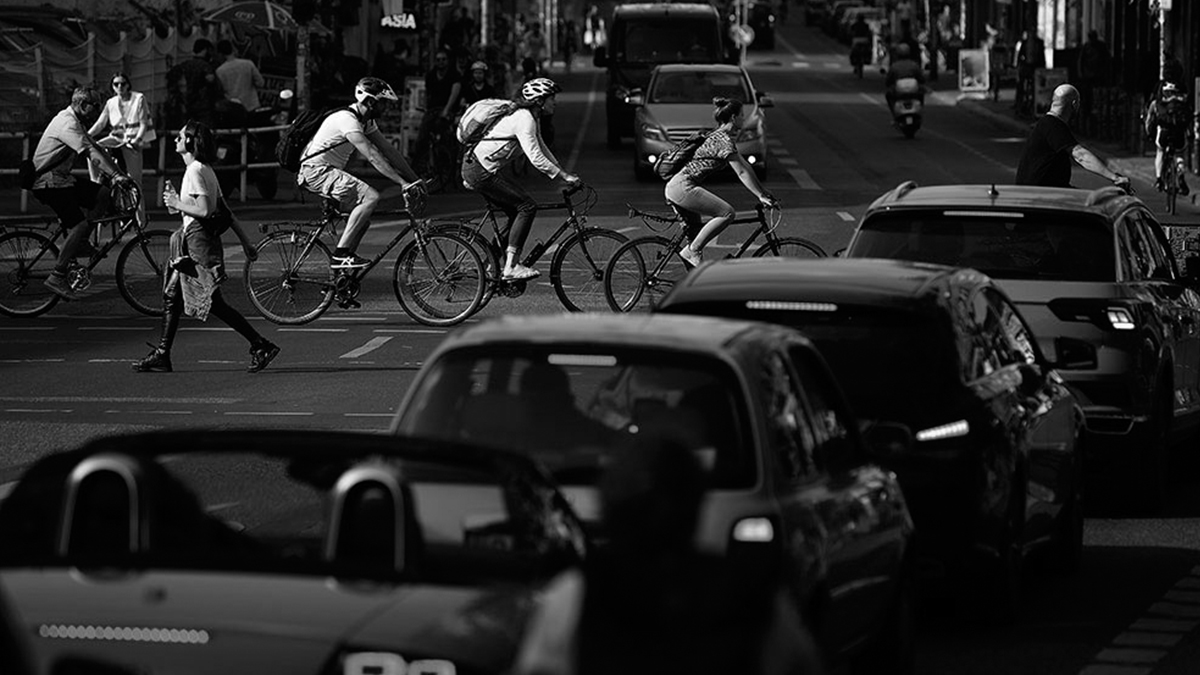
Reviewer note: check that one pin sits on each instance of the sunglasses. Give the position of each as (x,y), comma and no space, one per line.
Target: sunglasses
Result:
(120,83)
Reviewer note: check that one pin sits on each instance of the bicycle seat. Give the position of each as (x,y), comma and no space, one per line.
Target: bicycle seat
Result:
(332,208)
(685,214)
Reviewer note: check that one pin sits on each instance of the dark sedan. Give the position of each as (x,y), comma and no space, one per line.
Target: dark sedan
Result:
(215,552)
(1094,265)
(994,474)
(790,475)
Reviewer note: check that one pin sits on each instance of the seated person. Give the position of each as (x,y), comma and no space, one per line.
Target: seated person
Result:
(558,424)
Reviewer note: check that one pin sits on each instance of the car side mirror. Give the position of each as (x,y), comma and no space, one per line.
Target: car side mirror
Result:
(887,439)
(1075,354)
(765,101)
(635,97)
(600,57)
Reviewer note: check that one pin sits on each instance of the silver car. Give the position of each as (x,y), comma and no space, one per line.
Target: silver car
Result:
(677,103)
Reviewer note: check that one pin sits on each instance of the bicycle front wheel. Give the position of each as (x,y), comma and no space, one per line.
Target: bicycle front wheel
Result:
(641,272)
(577,270)
(140,269)
(287,285)
(791,247)
(26,260)
(439,279)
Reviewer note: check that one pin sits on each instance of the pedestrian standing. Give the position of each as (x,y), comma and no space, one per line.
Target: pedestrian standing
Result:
(197,268)
(1051,147)
(570,43)
(535,46)
(126,117)
(239,77)
(1030,56)
(443,85)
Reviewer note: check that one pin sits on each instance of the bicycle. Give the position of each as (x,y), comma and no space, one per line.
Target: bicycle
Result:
(27,258)
(441,168)
(648,267)
(438,277)
(1172,170)
(577,267)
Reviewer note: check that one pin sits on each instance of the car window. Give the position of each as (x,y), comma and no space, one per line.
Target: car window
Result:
(1138,257)
(698,87)
(1161,259)
(571,409)
(1021,342)
(835,450)
(989,345)
(1061,246)
(667,40)
(789,431)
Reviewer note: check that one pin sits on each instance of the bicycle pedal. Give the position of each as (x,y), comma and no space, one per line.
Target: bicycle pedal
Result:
(349,303)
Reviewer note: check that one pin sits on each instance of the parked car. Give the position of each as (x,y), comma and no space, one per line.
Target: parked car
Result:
(677,103)
(294,551)
(1092,265)
(644,35)
(791,476)
(995,473)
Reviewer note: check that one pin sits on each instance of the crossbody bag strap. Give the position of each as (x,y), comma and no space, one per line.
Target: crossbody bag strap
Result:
(334,145)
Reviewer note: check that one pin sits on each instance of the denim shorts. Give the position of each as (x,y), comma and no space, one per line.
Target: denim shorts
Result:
(333,183)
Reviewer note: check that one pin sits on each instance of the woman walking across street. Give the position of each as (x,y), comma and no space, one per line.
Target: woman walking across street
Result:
(717,151)
(192,284)
(126,116)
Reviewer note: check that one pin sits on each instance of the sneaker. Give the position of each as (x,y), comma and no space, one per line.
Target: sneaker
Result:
(348,262)
(58,283)
(262,355)
(519,272)
(157,360)
(692,258)
(348,303)
(1184,190)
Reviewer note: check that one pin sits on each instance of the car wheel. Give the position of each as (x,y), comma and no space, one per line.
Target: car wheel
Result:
(1149,467)
(895,647)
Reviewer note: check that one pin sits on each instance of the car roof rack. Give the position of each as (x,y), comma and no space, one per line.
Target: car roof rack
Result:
(1103,194)
(900,190)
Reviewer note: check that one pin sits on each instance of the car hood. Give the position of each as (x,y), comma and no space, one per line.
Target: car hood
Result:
(183,622)
(689,115)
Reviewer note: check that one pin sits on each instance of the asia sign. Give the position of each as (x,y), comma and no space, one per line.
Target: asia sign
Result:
(403,20)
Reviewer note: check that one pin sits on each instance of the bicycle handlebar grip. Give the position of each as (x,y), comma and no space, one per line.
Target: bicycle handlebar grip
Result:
(572,189)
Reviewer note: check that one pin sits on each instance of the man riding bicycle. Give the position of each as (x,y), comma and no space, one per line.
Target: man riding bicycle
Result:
(488,167)
(325,157)
(1169,119)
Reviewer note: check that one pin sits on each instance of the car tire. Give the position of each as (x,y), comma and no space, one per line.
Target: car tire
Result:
(1149,468)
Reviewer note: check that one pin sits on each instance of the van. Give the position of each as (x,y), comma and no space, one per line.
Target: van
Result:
(642,36)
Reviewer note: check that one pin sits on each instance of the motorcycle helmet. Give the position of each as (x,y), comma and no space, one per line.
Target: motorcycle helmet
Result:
(539,88)
(373,89)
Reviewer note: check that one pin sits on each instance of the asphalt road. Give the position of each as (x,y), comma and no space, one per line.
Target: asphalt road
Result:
(65,377)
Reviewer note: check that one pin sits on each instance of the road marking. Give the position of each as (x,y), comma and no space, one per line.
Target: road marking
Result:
(199,329)
(251,413)
(1175,610)
(871,99)
(801,64)
(804,180)
(27,328)
(370,346)
(833,65)
(583,125)
(1143,639)
(788,161)
(415,331)
(1119,655)
(32,360)
(845,216)
(313,330)
(120,399)
(368,414)
(36,410)
(149,412)
(1165,625)
(7,488)
(630,228)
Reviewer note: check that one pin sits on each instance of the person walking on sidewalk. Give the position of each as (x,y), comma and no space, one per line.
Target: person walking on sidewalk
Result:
(1052,146)
(197,266)
(1169,120)
(74,201)
(1030,55)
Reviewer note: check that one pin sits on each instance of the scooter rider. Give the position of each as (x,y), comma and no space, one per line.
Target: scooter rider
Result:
(861,36)
(904,67)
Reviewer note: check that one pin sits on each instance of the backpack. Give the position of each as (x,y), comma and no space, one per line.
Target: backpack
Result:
(673,160)
(289,151)
(1174,113)
(479,119)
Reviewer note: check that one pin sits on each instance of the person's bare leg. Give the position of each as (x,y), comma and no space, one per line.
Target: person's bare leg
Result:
(356,224)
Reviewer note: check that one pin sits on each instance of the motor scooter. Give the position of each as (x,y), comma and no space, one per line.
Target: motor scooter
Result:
(907,106)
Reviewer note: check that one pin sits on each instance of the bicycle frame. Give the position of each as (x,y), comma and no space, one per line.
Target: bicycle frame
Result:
(328,223)
(128,221)
(759,217)
(573,221)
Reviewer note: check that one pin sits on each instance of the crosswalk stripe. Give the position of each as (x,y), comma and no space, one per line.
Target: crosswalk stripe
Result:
(804,180)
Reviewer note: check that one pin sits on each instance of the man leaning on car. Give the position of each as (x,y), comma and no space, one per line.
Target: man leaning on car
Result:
(1051,147)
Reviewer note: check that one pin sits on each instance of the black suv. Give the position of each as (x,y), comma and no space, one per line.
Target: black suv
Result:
(642,36)
(1089,264)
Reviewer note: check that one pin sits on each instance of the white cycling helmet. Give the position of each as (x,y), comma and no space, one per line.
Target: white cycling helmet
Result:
(374,88)
(539,87)
(479,65)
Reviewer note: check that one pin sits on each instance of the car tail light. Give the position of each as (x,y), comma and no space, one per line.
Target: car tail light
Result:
(1120,318)
(754,530)
(951,430)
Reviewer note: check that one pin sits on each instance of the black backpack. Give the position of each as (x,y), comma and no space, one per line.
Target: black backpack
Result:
(1174,113)
(673,160)
(289,151)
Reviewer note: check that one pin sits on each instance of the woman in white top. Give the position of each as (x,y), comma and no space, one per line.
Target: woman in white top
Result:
(126,116)
(197,267)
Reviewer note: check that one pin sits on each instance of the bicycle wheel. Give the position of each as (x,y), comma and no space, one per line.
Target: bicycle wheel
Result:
(286,286)
(24,268)
(439,279)
(641,272)
(791,247)
(487,250)
(577,270)
(140,268)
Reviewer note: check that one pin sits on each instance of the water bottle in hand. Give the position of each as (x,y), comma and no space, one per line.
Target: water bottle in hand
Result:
(170,191)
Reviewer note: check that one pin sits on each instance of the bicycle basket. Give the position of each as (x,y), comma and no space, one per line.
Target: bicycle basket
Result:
(126,196)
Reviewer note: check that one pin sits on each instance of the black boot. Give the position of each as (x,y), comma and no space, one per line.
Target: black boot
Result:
(158,360)
(261,355)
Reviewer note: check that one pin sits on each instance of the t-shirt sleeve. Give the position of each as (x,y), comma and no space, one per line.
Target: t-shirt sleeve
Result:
(1060,138)
(74,135)
(346,122)
(724,147)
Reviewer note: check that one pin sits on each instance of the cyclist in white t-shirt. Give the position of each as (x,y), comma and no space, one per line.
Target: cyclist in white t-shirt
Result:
(326,155)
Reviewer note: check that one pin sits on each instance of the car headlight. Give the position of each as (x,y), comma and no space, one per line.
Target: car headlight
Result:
(386,663)
(653,133)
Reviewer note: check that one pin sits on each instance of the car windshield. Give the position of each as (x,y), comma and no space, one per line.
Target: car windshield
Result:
(570,409)
(698,86)
(1005,245)
(239,509)
(667,40)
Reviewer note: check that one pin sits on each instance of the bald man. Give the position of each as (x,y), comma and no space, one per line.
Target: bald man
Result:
(1051,147)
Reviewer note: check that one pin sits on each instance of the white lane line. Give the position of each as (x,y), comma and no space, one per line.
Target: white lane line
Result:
(367,414)
(833,65)
(631,228)
(1140,639)
(32,360)
(845,216)
(583,125)
(1183,596)
(27,328)
(804,180)
(370,346)
(250,413)
(216,362)
(313,330)
(149,412)
(120,399)
(801,64)
(414,331)
(37,410)
(1107,669)
(788,161)
(1174,610)
(198,329)
(873,100)
(1165,625)
(1119,655)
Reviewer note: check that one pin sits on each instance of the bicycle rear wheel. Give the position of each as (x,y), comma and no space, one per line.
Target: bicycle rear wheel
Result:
(285,285)
(791,247)
(140,269)
(24,268)
(577,270)
(439,279)
(487,250)
(641,272)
